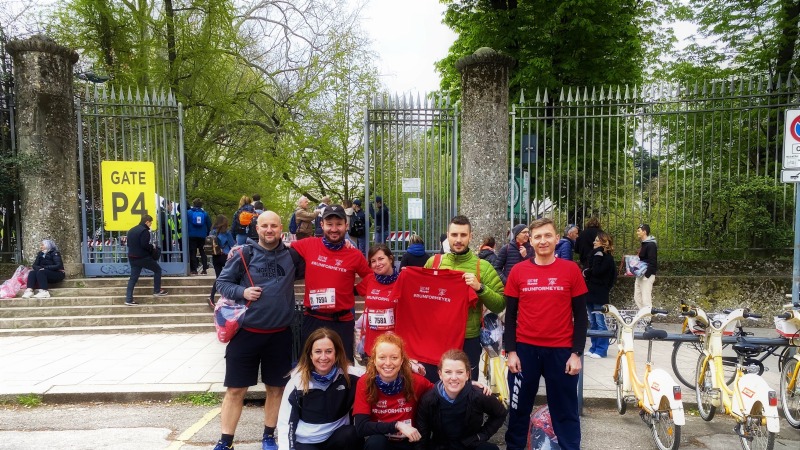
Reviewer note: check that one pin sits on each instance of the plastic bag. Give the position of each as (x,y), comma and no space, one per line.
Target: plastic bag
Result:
(228,318)
(21,275)
(491,336)
(634,266)
(541,435)
(10,287)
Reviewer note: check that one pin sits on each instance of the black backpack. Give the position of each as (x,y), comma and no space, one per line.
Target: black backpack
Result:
(357,228)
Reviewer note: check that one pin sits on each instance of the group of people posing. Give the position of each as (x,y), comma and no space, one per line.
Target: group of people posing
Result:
(419,332)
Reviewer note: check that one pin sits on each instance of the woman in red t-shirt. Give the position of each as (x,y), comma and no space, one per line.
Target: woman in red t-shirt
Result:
(386,397)
(378,316)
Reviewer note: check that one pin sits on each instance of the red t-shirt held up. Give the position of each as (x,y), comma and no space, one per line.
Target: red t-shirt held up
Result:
(390,408)
(431,311)
(378,309)
(545,296)
(330,276)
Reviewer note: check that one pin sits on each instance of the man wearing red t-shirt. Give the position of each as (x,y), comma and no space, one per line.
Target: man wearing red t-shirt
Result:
(545,334)
(331,269)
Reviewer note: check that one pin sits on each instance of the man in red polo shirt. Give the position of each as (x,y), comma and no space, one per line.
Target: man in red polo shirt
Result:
(545,334)
(331,269)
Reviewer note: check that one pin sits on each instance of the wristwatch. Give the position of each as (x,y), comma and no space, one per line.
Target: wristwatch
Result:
(483,287)
(579,353)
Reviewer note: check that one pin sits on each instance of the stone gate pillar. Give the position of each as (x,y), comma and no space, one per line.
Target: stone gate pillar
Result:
(47,137)
(484,142)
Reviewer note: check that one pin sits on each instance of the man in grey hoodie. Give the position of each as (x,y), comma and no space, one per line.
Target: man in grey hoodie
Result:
(262,274)
(648,254)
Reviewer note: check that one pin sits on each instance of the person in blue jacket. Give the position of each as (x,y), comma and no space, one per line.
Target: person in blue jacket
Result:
(226,241)
(566,244)
(199,227)
(517,250)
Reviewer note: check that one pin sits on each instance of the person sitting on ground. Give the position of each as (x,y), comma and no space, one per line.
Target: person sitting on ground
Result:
(386,397)
(317,402)
(451,415)
(47,268)
(415,254)
(517,250)
(487,250)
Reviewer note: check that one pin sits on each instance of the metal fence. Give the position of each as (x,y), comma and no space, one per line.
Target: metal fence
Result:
(117,126)
(700,162)
(411,161)
(10,237)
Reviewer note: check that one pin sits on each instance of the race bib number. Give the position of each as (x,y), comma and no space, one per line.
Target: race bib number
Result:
(322,299)
(381,319)
(399,435)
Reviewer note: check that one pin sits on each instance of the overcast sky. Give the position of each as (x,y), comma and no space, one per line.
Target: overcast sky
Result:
(409,37)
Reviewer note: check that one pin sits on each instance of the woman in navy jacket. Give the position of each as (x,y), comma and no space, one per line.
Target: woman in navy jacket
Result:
(47,268)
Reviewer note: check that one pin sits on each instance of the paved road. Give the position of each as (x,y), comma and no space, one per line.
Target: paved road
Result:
(174,426)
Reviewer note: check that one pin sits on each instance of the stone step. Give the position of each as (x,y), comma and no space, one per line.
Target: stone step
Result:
(110,309)
(106,320)
(103,329)
(201,280)
(53,302)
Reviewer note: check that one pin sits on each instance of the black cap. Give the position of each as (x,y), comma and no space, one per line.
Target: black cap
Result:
(334,210)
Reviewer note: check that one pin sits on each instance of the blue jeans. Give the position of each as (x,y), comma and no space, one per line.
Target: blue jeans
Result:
(241,239)
(597,321)
(137,264)
(361,245)
(381,236)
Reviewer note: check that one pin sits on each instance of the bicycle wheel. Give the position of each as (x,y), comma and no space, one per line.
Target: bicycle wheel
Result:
(790,398)
(684,361)
(704,388)
(753,433)
(666,435)
(621,371)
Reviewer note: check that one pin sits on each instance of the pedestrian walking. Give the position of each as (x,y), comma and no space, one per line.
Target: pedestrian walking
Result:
(142,254)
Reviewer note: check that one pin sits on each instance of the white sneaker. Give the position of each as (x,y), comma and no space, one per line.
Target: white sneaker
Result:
(43,293)
(595,356)
(28,293)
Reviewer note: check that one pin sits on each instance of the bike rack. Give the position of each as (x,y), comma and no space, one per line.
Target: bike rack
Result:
(675,337)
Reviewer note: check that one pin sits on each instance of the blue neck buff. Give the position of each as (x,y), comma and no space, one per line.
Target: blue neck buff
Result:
(387,279)
(416,249)
(324,379)
(331,246)
(442,393)
(390,388)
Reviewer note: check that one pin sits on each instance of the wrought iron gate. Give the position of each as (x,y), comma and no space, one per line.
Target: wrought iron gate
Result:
(411,161)
(10,237)
(700,162)
(117,126)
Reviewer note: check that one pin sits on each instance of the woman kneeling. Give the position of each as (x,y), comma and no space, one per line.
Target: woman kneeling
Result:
(317,401)
(451,416)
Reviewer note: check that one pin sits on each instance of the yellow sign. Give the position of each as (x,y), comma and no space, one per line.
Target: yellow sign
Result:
(129,192)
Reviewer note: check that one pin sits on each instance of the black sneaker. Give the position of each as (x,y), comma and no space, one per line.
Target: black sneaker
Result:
(204,272)
(131,303)
(160,293)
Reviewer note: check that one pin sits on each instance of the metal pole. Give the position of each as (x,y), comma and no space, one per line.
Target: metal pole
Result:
(454,162)
(84,234)
(796,263)
(365,201)
(184,210)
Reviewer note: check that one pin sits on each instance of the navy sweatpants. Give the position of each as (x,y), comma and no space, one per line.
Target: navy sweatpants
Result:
(562,396)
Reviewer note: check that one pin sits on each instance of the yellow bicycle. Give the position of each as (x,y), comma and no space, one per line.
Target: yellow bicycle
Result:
(657,395)
(788,326)
(749,401)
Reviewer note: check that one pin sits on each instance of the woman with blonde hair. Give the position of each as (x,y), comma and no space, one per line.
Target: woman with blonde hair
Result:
(304,217)
(317,401)
(600,275)
(242,219)
(386,397)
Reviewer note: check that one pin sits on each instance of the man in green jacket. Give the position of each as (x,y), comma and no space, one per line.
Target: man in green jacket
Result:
(479,275)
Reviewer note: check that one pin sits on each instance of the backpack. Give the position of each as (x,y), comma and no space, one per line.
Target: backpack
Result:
(197,218)
(212,245)
(246,218)
(293,224)
(357,228)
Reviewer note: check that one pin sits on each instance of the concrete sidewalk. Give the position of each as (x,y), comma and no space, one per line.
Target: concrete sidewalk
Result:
(138,367)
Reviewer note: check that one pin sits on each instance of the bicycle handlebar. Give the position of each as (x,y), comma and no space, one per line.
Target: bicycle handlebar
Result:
(689,313)
(658,311)
(750,315)
(785,316)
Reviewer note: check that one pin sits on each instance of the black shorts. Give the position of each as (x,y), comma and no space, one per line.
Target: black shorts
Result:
(247,350)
